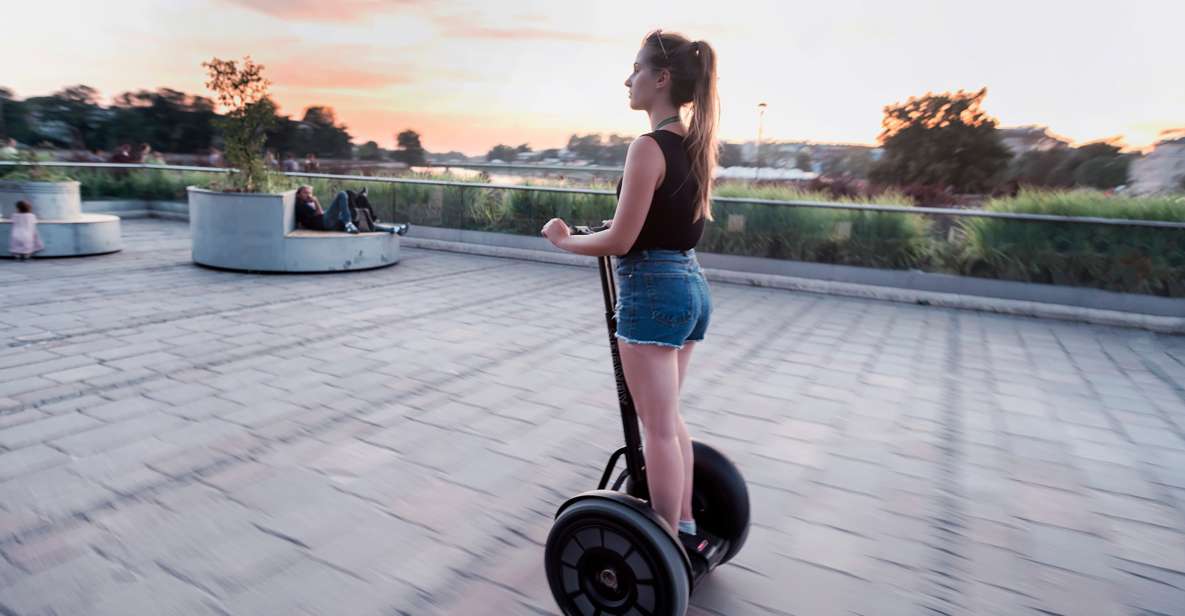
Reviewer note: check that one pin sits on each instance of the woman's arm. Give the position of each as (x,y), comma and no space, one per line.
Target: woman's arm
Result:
(644,168)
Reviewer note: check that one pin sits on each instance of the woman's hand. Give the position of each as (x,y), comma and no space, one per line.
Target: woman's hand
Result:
(556,231)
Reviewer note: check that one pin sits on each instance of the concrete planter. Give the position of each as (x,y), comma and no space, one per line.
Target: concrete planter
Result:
(50,200)
(64,229)
(256,232)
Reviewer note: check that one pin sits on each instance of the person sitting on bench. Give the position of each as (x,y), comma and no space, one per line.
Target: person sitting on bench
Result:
(310,214)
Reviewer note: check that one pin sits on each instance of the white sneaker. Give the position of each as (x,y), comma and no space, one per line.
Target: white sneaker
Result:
(351,228)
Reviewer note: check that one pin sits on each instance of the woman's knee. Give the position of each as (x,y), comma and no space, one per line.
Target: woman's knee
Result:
(661,423)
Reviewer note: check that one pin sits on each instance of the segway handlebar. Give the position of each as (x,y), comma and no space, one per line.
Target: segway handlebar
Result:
(586,230)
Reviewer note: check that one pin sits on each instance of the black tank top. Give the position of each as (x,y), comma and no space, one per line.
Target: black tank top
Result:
(669,223)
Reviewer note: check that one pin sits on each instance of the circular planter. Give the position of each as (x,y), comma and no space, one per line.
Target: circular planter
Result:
(64,229)
(256,232)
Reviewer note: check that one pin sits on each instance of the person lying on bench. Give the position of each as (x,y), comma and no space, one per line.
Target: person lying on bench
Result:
(310,214)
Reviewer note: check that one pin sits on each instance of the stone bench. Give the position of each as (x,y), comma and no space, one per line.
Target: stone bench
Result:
(257,233)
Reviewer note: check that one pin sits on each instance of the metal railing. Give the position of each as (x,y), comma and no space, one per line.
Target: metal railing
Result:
(938,211)
(525,167)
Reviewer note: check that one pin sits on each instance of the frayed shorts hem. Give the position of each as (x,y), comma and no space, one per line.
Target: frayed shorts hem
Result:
(656,343)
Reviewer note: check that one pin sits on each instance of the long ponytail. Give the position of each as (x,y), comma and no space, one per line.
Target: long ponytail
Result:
(693,74)
(701,134)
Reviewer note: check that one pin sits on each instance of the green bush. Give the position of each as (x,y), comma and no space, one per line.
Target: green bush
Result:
(148,184)
(22,173)
(849,237)
(1118,258)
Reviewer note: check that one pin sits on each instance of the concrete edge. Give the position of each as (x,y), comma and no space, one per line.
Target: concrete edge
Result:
(1168,325)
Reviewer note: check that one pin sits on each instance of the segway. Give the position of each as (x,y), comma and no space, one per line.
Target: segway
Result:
(609,552)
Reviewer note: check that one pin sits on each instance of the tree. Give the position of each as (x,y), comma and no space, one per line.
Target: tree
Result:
(853,163)
(411,151)
(320,134)
(1049,168)
(370,151)
(587,147)
(501,152)
(15,121)
(803,161)
(242,91)
(1100,164)
(71,116)
(168,120)
(616,147)
(730,155)
(942,139)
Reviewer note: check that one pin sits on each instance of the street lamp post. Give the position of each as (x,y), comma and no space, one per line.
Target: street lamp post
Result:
(760,125)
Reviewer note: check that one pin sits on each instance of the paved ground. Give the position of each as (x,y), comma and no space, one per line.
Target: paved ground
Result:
(177,440)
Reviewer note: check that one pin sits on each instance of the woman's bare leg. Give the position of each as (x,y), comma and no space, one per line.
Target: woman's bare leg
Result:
(685,439)
(652,374)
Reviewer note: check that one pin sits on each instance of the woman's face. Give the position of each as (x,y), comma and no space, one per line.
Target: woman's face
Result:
(645,83)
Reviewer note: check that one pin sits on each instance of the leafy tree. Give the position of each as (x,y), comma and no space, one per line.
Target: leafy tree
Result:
(411,151)
(320,134)
(942,139)
(71,116)
(501,152)
(242,91)
(168,120)
(803,161)
(730,155)
(854,163)
(370,151)
(1100,165)
(15,121)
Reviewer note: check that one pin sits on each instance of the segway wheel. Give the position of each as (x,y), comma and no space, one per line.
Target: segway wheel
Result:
(603,557)
(720,499)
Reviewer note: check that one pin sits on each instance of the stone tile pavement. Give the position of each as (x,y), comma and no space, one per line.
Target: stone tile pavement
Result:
(178,440)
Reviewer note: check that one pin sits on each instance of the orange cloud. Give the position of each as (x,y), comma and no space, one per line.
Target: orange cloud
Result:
(443,132)
(322,76)
(320,10)
(470,30)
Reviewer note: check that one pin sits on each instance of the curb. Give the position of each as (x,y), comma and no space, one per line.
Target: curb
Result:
(1159,324)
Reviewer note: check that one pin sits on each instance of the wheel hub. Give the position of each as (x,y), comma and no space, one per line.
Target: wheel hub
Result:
(609,579)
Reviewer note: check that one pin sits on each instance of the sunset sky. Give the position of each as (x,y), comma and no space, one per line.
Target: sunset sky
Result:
(468,74)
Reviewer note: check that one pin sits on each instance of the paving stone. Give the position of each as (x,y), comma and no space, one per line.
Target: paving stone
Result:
(229,454)
(29,459)
(40,430)
(113,435)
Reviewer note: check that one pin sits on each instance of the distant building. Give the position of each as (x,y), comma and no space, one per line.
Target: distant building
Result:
(764,173)
(1160,171)
(1022,139)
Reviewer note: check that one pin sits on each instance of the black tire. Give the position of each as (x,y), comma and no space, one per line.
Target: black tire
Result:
(720,498)
(603,557)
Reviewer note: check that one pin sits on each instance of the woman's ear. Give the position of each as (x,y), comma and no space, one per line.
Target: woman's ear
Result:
(664,77)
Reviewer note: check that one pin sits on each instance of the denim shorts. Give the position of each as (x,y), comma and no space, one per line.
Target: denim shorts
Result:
(662,298)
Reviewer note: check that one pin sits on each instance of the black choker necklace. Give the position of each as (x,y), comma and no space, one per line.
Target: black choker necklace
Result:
(670,120)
